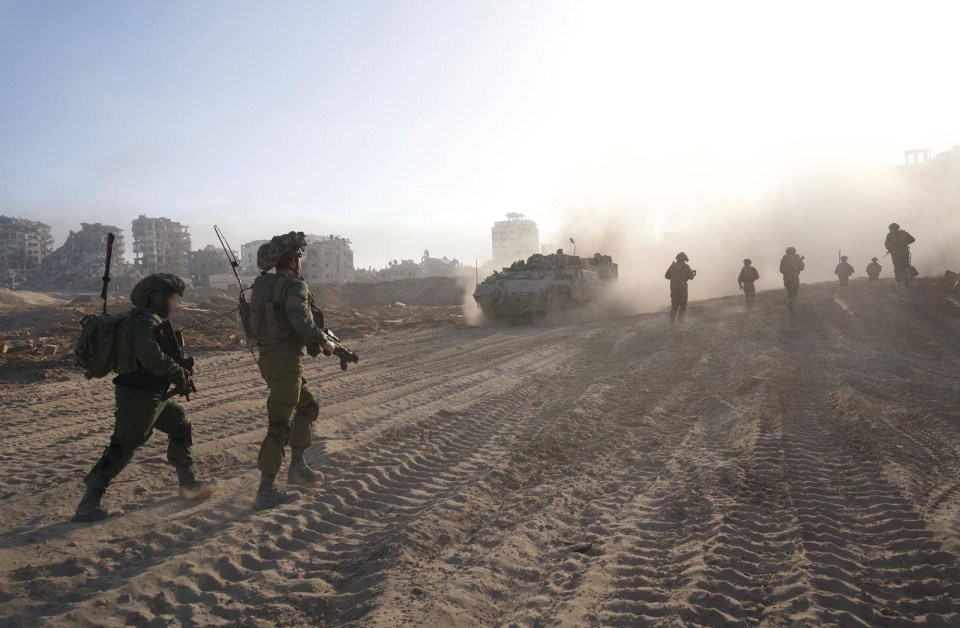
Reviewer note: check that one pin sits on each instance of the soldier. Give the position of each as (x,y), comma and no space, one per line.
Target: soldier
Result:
(873,270)
(791,265)
(679,274)
(843,271)
(898,244)
(748,274)
(144,374)
(282,320)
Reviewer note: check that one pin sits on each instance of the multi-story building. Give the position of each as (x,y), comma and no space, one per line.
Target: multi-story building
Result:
(23,244)
(515,238)
(208,261)
(327,259)
(161,245)
(248,256)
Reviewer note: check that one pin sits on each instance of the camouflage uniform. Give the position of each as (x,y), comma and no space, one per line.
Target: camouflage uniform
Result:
(283,301)
(679,273)
(144,373)
(282,322)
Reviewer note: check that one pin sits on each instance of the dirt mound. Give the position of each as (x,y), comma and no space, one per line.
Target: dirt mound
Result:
(16,298)
(432,291)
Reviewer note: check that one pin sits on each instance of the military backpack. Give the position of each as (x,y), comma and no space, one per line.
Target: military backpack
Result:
(96,349)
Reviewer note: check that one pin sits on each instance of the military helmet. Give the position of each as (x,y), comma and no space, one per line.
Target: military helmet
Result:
(682,257)
(281,247)
(873,259)
(747,261)
(843,258)
(894,226)
(791,250)
(151,284)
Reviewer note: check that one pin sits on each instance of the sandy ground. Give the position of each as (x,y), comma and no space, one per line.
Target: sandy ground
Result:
(747,469)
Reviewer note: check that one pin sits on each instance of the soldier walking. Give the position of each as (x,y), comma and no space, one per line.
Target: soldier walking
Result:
(873,270)
(791,265)
(144,374)
(282,321)
(679,273)
(898,244)
(843,271)
(748,275)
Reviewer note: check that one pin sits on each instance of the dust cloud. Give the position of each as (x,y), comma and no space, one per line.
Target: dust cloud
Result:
(819,213)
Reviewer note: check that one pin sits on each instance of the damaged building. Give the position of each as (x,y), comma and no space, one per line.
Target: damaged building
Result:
(248,256)
(161,245)
(327,259)
(24,244)
(210,260)
(79,262)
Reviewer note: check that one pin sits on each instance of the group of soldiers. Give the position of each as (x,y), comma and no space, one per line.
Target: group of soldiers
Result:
(897,243)
(283,322)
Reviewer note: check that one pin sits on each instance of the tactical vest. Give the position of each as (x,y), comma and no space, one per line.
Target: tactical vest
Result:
(268,316)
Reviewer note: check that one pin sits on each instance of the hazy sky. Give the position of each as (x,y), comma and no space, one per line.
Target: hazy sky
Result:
(413,125)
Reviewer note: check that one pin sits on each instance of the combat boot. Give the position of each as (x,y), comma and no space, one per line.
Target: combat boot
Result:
(90,510)
(268,495)
(193,488)
(299,472)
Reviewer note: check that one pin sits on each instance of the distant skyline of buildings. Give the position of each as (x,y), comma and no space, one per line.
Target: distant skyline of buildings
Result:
(160,244)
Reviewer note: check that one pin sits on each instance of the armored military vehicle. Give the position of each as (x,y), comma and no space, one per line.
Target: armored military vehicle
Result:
(541,286)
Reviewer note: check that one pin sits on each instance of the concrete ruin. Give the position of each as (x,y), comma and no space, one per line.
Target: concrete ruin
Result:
(24,244)
(79,262)
(161,245)
(328,259)
(210,261)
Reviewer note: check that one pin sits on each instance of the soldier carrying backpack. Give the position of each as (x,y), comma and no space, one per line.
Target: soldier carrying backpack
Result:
(131,346)
(791,265)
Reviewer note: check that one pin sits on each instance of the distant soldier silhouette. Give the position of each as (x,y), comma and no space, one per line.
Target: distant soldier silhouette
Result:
(873,270)
(898,246)
(843,271)
(679,274)
(791,265)
(748,274)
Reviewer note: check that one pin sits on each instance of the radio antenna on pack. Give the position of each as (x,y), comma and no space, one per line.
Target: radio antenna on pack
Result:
(243,307)
(106,271)
(232,258)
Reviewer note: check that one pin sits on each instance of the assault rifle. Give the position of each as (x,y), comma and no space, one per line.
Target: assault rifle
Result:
(171,343)
(346,356)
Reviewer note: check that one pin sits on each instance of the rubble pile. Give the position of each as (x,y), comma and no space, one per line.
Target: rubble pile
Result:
(78,264)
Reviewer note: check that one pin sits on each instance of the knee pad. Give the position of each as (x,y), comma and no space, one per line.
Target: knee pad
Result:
(311,413)
(280,432)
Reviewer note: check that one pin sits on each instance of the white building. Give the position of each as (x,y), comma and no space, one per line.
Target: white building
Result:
(327,259)
(248,256)
(514,238)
